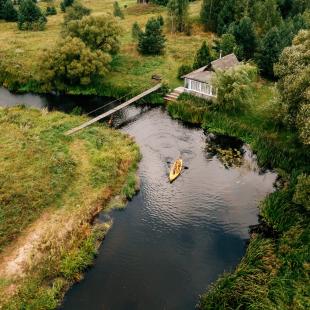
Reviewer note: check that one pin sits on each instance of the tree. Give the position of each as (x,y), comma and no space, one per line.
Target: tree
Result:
(226,16)
(226,44)
(65,3)
(152,40)
(7,11)
(71,63)
(269,51)
(209,12)
(203,56)
(97,32)
(117,12)
(293,71)
(266,15)
(178,14)
(30,17)
(245,36)
(217,15)
(234,88)
(136,30)
(76,12)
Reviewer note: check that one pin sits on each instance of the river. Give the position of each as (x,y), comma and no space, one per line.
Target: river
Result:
(172,240)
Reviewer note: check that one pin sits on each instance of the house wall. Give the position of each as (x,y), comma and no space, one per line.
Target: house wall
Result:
(199,89)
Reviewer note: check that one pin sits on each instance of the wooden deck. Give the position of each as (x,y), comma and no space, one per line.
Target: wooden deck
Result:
(110,112)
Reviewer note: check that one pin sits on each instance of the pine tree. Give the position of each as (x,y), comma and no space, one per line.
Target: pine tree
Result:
(266,14)
(226,45)
(203,56)
(30,17)
(225,16)
(117,10)
(246,38)
(152,41)
(8,12)
(269,51)
(209,12)
(136,31)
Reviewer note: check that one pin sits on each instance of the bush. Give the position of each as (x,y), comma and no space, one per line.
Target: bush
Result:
(7,11)
(65,3)
(184,69)
(76,12)
(234,88)
(30,17)
(50,10)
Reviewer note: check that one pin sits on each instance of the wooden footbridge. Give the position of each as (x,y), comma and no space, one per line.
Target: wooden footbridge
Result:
(112,111)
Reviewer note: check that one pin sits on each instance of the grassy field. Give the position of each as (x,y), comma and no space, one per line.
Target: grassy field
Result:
(51,188)
(274,274)
(20,51)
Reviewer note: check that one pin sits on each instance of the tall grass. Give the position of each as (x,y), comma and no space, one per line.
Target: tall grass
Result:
(54,185)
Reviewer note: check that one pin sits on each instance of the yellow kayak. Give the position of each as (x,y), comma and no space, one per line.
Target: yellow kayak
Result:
(175,170)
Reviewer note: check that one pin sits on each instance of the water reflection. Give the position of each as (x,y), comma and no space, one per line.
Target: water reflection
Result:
(173,239)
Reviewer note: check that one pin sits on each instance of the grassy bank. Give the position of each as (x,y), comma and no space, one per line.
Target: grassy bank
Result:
(130,72)
(52,187)
(274,272)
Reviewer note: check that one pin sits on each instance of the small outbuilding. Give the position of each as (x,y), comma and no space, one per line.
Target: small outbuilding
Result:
(199,82)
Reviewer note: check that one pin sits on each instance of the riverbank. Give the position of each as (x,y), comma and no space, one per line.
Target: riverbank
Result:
(130,72)
(273,273)
(52,188)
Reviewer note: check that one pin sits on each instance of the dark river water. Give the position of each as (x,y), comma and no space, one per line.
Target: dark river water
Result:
(173,240)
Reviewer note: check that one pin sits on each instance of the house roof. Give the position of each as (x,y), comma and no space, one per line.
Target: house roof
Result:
(200,76)
(225,62)
(205,74)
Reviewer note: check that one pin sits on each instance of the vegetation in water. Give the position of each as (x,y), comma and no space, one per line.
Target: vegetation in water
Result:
(56,186)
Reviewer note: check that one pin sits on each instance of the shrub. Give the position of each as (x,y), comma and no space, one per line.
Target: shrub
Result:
(65,3)
(135,30)
(76,12)
(117,12)
(7,11)
(50,10)
(184,69)
(30,17)
(302,192)
(234,88)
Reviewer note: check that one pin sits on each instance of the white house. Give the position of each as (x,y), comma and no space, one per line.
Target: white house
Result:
(199,82)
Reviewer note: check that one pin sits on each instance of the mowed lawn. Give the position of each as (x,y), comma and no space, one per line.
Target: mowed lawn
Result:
(21,50)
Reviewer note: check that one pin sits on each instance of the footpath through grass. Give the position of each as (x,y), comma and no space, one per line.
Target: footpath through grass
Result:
(130,72)
(274,274)
(51,188)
